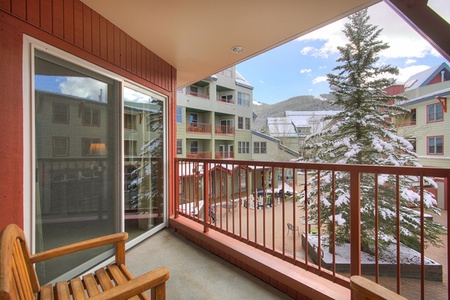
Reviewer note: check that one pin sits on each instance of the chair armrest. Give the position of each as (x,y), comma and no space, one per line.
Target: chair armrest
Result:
(136,285)
(116,238)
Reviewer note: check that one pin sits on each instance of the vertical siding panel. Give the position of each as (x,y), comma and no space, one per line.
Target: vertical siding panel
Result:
(95,33)
(103,38)
(46,15)
(33,10)
(5,5)
(19,8)
(78,23)
(157,71)
(117,50)
(128,52)
(133,56)
(58,18)
(151,67)
(111,35)
(147,68)
(123,50)
(87,31)
(68,21)
(139,60)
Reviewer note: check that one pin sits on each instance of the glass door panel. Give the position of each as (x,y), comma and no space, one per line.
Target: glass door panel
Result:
(143,161)
(76,117)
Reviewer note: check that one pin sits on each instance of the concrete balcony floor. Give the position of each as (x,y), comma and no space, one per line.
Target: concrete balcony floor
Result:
(194,272)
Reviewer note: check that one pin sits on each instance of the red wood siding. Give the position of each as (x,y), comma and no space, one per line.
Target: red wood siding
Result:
(11,138)
(75,28)
(77,24)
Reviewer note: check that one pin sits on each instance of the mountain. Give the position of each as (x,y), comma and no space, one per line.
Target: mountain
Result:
(298,103)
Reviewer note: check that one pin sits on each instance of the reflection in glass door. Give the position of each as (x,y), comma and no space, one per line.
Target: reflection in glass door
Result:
(143,161)
(76,115)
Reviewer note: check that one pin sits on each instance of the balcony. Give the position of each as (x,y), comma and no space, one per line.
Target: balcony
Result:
(197,127)
(224,154)
(244,212)
(224,130)
(199,154)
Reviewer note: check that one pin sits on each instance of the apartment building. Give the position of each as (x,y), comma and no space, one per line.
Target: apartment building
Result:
(214,117)
(426,125)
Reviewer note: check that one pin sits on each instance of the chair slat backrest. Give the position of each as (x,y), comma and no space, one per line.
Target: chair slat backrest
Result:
(18,279)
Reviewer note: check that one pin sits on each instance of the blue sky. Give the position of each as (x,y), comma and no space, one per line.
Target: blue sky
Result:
(300,66)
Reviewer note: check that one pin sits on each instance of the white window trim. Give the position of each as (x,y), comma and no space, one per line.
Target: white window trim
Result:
(29,46)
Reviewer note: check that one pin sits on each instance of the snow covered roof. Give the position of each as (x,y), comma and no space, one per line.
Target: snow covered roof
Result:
(430,96)
(281,127)
(240,80)
(424,77)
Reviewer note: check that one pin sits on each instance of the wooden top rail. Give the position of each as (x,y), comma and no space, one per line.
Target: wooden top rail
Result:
(364,289)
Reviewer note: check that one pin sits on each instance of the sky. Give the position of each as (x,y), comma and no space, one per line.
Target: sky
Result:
(300,67)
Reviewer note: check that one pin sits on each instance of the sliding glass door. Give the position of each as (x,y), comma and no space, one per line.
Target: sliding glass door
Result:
(143,161)
(98,157)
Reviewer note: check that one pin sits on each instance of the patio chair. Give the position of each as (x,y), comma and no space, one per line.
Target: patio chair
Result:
(18,278)
(291,228)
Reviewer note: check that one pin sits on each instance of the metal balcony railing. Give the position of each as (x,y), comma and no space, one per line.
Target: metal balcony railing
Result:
(224,129)
(197,127)
(269,205)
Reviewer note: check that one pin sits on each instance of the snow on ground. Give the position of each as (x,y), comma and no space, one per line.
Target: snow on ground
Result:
(407,255)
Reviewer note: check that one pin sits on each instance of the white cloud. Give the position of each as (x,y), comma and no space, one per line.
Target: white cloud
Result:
(404,42)
(410,61)
(84,87)
(303,71)
(319,79)
(405,73)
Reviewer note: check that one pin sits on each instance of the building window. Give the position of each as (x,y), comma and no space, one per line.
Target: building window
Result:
(435,145)
(60,146)
(129,121)
(243,99)
(434,113)
(91,116)
(243,147)
(194,147)
(259,147)
(179,114)
(130,148)
(60,113)
(413,143)
(247,123)
(413,116)
(240,122)
(179,146)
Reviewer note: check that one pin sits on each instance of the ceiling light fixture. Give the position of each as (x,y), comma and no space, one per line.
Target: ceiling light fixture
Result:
(237,49)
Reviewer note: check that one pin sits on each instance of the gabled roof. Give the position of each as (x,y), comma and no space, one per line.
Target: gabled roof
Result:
(441,93)
(240,80)
(423,78)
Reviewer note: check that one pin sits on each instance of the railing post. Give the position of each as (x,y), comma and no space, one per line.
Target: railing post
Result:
(206,196)
(177,187)
(355,224)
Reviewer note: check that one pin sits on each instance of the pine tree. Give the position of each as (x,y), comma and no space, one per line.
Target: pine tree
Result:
(363,133)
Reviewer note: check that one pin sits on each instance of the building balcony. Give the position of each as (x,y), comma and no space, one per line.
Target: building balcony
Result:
(197,94)
(224,130)
(252,215)
(199,154)
(197,127)
(224,154)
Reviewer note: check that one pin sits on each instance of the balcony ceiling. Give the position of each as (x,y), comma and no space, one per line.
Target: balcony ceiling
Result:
(196,36)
